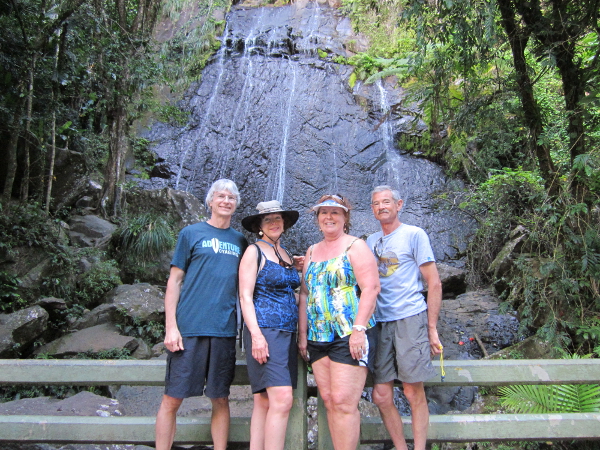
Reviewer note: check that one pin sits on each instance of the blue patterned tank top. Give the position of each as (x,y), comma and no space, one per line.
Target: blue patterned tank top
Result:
(274,299)
(333,298)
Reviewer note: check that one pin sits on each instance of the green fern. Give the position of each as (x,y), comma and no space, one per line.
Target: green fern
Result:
(537,399)
(143,239)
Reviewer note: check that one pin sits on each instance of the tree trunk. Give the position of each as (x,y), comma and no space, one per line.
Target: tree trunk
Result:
(532,114)
(114,174)
(26,156)
(51,165)
(11,162)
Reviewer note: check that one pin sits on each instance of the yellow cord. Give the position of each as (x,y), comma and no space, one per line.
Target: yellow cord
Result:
(442,362)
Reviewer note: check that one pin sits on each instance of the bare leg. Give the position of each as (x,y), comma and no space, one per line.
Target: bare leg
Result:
(257,423)
(340,386)
(383,397)
(166,422)
(280,403)
(219,425)
(415,393)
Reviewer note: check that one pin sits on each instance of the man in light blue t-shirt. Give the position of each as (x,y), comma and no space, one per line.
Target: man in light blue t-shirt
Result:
(407,324)
(200,316)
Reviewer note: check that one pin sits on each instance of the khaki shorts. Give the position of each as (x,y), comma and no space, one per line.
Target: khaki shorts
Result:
(403,351)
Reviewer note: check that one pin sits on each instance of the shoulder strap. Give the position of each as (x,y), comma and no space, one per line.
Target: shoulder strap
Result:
(351,243)
(258,257)
(310,254)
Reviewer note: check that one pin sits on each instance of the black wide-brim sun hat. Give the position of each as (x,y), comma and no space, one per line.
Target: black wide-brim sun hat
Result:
(252,223)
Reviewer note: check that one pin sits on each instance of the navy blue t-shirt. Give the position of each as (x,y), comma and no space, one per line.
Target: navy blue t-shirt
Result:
(210,258)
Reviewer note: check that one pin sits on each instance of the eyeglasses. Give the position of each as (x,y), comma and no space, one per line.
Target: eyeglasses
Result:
(226,198)
(378,248)
(385,203)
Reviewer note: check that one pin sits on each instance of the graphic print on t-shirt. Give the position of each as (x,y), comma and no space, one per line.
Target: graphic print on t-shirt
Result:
(222,247)
(387,263)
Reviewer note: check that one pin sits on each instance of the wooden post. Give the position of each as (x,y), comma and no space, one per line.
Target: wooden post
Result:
(324,437)
(296,435)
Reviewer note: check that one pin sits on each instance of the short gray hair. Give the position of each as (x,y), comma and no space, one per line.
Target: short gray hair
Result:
(385,187)
(222,185)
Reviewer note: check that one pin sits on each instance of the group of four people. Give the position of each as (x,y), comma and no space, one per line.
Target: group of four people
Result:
(360,307)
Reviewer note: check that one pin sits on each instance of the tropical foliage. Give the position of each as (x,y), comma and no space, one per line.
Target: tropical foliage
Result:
(510,91)
(142,239)
(538,399)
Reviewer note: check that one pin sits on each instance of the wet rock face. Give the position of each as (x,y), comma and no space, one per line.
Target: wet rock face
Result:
(284,123)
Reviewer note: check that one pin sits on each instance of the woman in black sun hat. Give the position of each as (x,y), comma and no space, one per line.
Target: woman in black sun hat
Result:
(268,278)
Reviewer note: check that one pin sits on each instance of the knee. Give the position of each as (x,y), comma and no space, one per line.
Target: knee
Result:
(282,403)
(170,404)
(383,397)
(220,403)
(326,397)
(342,404)
(414,394)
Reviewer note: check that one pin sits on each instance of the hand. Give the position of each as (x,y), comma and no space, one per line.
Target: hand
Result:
(173,340)
(435,346)
(302,347)
(260,348)
(299,263)
(358,344)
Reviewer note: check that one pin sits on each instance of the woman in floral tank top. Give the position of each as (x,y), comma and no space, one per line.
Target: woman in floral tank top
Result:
(339,290)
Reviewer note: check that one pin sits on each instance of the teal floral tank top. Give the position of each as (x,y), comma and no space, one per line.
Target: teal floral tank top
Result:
(333,298)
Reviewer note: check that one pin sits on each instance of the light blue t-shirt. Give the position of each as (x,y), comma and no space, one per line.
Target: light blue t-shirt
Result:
(210,258)
(399,255)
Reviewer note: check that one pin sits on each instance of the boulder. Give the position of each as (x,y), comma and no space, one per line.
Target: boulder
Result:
(142,351)
(82,404)
(100,315)
(95,339)
(180,206)
(20,329)
(90,231)
(529,348)
(140,301)
(73,182)
(472,321)
(454,280)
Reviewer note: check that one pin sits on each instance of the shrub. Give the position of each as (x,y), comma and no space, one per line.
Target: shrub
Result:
(142,239)
(100,279)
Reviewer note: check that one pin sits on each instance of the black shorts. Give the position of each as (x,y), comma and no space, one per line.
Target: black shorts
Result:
(339,350)
(205,361)
(281,368)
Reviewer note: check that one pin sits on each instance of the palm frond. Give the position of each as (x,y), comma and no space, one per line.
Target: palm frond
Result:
(535,399)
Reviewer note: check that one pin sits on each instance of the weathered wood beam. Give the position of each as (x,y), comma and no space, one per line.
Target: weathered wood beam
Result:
(88,372)
(442,428)
(495,427)
(115,430)
(135,372)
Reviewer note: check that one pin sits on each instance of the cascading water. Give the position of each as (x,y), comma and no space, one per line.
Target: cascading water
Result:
(280,176)
(207,111)
(283,123)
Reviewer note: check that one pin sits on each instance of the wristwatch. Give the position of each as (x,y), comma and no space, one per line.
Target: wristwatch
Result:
(359,327)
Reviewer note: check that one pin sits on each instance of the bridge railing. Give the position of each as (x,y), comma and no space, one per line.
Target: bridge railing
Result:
(196,430)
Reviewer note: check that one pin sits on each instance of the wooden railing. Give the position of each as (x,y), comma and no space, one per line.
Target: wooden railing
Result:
(443,428)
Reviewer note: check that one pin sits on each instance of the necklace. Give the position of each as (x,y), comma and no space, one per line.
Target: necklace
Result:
(282,262)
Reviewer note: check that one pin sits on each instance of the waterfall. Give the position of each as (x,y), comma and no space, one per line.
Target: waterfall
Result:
(280,177)
(244,101)
(283,123)
(311,39)
(387,136)
(207,111)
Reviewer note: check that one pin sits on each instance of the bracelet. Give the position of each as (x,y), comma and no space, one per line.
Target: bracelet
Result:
(359,327)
